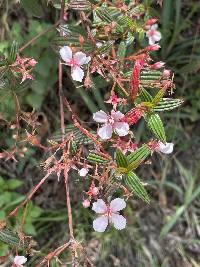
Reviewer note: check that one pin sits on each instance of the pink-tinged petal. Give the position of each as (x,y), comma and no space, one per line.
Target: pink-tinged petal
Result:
(66,53)
(77,74)
(83,172)
(151,40)
(157,36)
(100,116)
(19,260)
(119,221)
(121,128)
(80,58)
(117,204)
(99,206)
(116,115)
(166,148)
(105,132)
(100,224)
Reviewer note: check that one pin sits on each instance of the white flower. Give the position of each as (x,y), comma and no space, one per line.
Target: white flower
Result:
(109,213)
(111,123)
(165,148)
(75,62)
(19,260)
(83,172)
(153,34)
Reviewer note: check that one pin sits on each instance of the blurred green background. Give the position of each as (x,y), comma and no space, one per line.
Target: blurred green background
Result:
(164,233)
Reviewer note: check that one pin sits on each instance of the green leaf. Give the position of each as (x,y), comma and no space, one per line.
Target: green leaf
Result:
(135,185)
(121,159)
(95,158)
(13,184)
(11,239)
(72,41)
(33,7)
(150,75)
(78,137)
(81,5)
(105,48)
(137,157)
(144,94)
(155,124)
(168,104)
(13,52)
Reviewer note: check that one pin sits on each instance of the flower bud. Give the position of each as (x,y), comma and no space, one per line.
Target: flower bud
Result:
(153,47)
(157,65)
(86,203)
(32,62)
(150,22)
(166,73)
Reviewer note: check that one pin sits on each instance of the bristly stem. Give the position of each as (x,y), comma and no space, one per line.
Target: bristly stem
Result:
(62,125)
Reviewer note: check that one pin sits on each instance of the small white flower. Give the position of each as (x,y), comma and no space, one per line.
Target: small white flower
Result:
(165,148)
(19,260)
(83,172)
(75,62)
(111,123)
(109,213)
(153,34)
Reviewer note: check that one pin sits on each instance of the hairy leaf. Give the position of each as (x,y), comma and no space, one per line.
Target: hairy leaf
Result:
(95,158)
(155,124)
(135,185)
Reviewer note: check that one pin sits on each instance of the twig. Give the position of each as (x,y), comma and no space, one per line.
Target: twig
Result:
(39,35)
(33,191)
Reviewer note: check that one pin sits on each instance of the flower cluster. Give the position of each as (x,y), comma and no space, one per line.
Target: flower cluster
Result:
(24,66)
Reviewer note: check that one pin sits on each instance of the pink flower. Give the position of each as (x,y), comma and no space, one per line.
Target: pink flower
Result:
(111,123)
(19,261)
(153,34)
(109,214)
(75,62)
(165,148)
(83,172)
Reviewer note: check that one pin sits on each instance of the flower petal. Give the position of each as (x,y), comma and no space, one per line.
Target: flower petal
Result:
(19,260)
(105,132)
(154,26)
(157,36)
(166,148)
(100,116)
(119,221)
(99,206)
(117,204)
(151,40)
(100,224)
(77,74)
(83,172)
(66,53)
(121,128)
(116,115)
(80,58)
